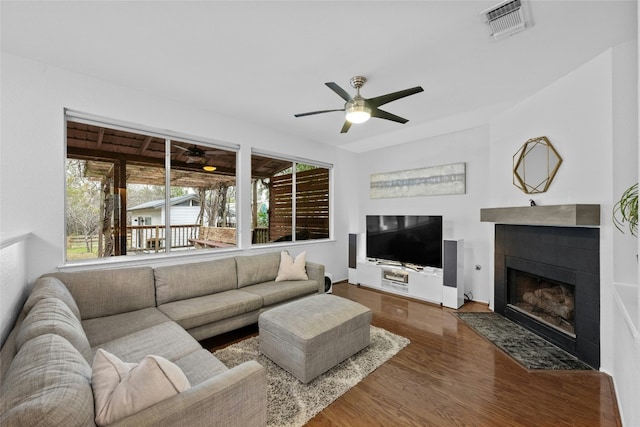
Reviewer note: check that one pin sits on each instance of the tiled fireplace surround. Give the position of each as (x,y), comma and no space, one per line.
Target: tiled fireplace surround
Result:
(564,254)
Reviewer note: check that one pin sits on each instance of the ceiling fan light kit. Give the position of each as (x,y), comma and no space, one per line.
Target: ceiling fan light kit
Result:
(358,109)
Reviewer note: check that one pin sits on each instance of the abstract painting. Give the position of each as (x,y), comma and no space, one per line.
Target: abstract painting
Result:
(432,181)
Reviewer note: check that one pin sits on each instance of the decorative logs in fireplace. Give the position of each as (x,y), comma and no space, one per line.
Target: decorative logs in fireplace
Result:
(549,301)
(556,301)
(553,305)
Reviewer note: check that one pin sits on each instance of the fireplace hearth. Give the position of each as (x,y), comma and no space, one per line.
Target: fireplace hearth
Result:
(547,279)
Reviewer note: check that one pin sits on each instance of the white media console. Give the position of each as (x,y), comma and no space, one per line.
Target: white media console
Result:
(434,285)
(425,285)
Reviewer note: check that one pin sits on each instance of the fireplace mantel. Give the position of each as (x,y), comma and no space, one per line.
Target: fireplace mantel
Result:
(558,215)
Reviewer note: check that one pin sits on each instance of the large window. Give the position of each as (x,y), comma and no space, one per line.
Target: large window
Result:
(289,195)
(132,192)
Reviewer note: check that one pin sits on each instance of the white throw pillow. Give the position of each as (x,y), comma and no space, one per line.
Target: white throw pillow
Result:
(121,389)
(292,269)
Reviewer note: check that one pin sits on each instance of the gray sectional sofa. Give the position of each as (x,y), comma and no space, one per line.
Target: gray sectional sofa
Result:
(46,362)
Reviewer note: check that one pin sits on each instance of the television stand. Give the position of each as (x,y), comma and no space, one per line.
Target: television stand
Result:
(406,280)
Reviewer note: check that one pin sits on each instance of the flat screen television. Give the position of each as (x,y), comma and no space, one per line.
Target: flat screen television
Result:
(406,239)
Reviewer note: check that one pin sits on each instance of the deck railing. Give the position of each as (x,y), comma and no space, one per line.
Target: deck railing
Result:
(152,238)
(260,235)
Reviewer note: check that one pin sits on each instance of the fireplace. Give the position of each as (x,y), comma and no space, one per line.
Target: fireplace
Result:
(546,300)
(547,279)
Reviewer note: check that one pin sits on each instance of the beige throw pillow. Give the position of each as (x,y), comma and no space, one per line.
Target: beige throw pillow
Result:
(121,389)
(292,269)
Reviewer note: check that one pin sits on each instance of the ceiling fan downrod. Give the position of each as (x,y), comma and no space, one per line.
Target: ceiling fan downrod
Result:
(357,82)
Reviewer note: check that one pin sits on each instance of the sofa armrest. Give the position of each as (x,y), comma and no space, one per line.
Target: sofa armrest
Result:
(237,397)
(315,272)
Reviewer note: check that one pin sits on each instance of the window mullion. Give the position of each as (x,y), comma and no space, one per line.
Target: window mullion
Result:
(167,195)
(293,202)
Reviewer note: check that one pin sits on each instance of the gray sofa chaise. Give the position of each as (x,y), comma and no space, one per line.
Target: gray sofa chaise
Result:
(46,361)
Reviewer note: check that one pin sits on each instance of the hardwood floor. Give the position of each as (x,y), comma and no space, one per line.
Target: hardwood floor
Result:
(451,376)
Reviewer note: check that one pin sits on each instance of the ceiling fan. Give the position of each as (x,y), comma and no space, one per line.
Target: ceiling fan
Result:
(358,109)
(197,155)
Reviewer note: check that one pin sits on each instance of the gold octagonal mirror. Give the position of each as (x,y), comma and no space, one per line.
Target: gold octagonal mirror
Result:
(535,165)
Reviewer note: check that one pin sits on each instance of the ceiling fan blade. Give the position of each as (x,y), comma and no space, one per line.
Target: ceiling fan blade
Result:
(191,159)
(181,147)
(345,126)
(214,152)
(381,114)
(381,100)
(341,92)
(316,112)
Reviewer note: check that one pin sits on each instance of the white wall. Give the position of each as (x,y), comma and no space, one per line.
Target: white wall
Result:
(461,213)
(574,113)
(13,279)
(590,116)
(625,153)
(346,201)
(32,158)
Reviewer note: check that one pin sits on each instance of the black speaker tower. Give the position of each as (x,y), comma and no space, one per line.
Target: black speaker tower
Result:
(353,250)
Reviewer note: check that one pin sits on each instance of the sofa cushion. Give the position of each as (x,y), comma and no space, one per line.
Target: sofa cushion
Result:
(179,282)
(104,329)
(52,316)
(167,340)
(102,293)
(50,287)
(199,311)
(48,384)
(259,268)
(277,292)
(199,366)
(213,329)
(292,268)
(122,389)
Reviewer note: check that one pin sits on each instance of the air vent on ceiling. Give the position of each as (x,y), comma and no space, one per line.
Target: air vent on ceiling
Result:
(505,18)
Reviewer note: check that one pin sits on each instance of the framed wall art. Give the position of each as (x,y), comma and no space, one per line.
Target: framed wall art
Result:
(431,181)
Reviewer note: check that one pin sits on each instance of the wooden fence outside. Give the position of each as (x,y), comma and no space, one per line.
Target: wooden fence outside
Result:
(312,205)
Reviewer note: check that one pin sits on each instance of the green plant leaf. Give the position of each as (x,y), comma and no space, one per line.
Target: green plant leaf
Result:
(625,211)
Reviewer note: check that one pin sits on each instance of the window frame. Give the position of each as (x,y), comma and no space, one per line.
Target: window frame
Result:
(294,161)
(169,138)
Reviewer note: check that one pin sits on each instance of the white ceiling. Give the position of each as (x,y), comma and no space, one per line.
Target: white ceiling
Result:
(264,61)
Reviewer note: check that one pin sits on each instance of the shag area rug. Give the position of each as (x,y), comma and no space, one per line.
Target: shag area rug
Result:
(524,346)
(292,403)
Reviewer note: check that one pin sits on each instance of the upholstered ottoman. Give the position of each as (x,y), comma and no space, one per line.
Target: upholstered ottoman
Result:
(309,336)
